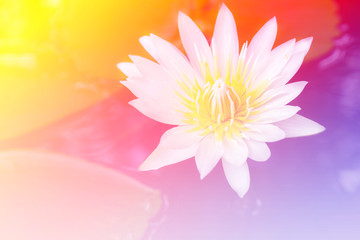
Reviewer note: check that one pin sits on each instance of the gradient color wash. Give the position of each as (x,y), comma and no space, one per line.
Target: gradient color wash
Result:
(308,190)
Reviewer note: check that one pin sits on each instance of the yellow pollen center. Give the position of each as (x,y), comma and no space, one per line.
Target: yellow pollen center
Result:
(224,107)
(217,108)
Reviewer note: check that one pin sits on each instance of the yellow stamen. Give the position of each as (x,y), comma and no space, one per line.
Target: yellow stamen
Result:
(222,106)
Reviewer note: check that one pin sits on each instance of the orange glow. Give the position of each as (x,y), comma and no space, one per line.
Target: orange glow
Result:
(297,18)
(59,56)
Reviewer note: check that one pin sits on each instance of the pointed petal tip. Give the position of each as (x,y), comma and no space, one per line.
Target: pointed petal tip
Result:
(237,177)
(264,39)
(122,66)
(129,69)
(272,24)
(142,168)
(321,129)
(146,42)
(241,194)
(133,102)
(316,128)
(181,15)
(258,151)
(145,166)
(132,57)
(272,21)
(184,21)
(267,157)
(300,126)
(310,39)
(203,173)
(225,11)
(119,65)
(153,35)
(304,45)
(223,6)
(143,38)
(307,40)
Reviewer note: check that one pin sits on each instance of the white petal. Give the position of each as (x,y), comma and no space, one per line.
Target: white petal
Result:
(142,89)
(155,84)
(172,59)
(258,151)
(276,61)
(129,69)
(208,155)
(276,114)
(136,88)
(180,137)
(235,151)
(176,144)
(264,39)
(284,94)
(301,49)
(151,71)
(303,45)
(158,111)
(238,177)
(195,44)
(265,133)
(163,156)
(298,126)
(225,41)
(149,46)
(153,92)
(291,91)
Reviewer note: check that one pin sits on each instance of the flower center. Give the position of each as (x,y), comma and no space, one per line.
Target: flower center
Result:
(224,106)
(217,108)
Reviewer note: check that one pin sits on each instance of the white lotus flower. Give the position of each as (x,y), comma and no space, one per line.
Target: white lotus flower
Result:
(226,104)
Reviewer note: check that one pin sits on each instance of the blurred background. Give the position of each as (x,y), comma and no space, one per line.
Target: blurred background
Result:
(70,144)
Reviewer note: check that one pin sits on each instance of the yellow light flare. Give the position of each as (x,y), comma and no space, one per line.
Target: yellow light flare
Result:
(59,56)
